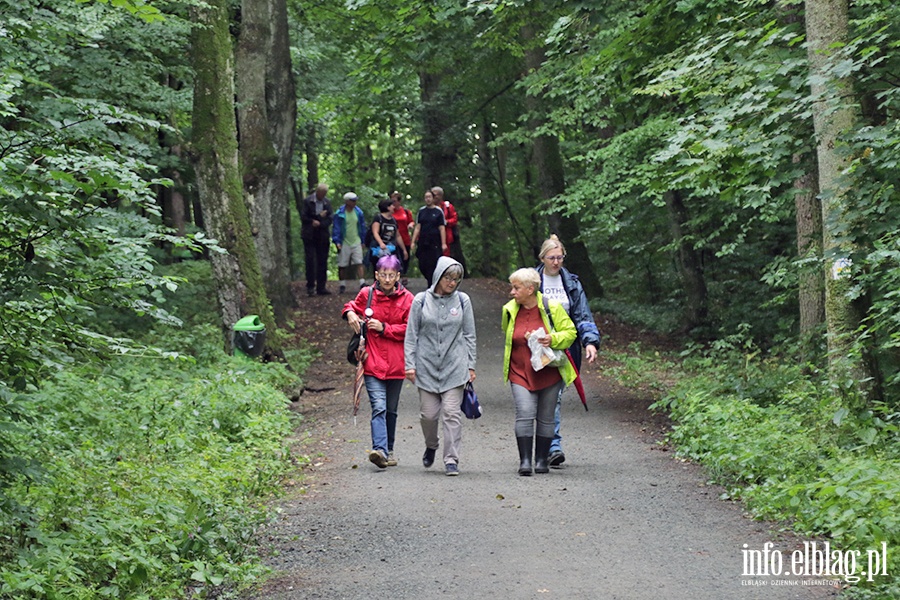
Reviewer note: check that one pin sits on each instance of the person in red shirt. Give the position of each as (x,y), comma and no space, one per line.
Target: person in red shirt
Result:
(384,364)
(405,224)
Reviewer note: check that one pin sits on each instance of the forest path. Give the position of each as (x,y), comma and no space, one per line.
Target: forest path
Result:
(622,520)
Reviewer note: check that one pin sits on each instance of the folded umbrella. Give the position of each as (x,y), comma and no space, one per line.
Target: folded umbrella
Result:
(358,383)
(579,384)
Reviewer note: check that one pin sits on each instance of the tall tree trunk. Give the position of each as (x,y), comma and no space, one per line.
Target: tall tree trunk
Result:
(266,121)
(548,164)
(833,115)
(690,266)
(494,260)
(311,148)
(239,287)
(438,155)
(808,216)
(391,162)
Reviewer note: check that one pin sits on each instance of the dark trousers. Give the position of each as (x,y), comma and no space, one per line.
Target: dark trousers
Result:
(428,257)
(316,252)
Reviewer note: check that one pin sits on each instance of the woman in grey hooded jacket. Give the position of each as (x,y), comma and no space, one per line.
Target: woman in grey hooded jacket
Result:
(440,354)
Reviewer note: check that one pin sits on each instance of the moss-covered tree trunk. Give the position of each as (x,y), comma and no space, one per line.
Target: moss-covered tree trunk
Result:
(267,118)
(834,115)
(239,286)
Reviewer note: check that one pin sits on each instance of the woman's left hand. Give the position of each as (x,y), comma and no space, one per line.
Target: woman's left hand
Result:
(375,325)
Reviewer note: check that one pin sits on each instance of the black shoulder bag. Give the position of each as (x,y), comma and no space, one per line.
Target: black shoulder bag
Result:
(353,344)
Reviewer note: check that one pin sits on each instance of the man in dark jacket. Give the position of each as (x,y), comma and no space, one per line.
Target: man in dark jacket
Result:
(315,218)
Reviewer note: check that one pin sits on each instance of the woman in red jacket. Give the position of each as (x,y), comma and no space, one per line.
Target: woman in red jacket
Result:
(385,332)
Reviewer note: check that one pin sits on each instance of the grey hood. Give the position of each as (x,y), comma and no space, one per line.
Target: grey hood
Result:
(444,263)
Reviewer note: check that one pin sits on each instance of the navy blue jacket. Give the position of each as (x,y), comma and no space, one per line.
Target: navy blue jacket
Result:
(579,312)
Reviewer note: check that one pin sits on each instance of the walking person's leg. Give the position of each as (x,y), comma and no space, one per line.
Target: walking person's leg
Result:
(309,259)
(546,403)
(525,403)
(428,258)
(343,263)
(392,389)
(451,418)
(429,411)
(557,456)
(377,391)
(357,267)
(322,249)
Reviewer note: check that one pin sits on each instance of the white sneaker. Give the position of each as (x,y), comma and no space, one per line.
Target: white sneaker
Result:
(378,458)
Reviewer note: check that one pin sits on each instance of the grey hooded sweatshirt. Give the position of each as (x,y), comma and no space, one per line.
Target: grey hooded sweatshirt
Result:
(440,336)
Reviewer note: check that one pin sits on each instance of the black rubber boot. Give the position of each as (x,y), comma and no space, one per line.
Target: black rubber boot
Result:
(541,450)
(525,447)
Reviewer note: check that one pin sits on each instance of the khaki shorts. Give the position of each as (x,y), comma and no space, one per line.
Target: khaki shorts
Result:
(350,255)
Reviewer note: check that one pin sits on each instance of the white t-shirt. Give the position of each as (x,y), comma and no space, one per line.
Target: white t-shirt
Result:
(554,290)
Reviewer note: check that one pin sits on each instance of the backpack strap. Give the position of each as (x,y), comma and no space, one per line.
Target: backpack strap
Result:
(547,310)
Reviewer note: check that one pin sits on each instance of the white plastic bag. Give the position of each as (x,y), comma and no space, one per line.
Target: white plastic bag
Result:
(542,356)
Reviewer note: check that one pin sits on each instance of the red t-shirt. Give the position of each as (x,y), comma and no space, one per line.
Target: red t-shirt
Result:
(404,218)
(520,370)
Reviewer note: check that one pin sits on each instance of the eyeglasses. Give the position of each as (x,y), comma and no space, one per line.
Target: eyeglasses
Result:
(556,258)
(389,275)
(450,279)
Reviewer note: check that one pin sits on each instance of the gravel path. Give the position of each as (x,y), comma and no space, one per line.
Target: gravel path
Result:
(621,520)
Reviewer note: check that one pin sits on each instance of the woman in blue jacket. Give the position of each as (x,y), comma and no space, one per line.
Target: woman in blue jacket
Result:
(560,284)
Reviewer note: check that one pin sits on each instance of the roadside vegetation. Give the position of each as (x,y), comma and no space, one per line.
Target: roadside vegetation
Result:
(144,476)
(773,433)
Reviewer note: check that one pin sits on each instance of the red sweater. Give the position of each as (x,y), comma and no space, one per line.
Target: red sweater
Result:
(385,360)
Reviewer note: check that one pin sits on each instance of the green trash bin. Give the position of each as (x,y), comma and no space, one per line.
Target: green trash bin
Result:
(249,337)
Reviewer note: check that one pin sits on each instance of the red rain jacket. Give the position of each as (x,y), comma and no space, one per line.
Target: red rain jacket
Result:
(385,360)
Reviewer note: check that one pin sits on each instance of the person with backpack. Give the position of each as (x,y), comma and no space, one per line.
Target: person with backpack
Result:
(440,354)
(385,235)
(385,333)
(348,235)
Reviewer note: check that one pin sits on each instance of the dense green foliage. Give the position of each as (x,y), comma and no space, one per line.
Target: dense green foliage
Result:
(148,476)
(779,440)
(76,183)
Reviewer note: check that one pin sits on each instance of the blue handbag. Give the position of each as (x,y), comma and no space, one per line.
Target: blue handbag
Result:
(470,406)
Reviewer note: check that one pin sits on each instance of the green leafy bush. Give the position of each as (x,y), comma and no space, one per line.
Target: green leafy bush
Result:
(154,477)
(780,442)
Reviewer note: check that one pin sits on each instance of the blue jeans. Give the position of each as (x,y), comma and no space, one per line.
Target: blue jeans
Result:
(384,397)
(556,444)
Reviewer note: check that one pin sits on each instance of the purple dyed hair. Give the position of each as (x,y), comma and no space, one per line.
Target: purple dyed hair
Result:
(388,263)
